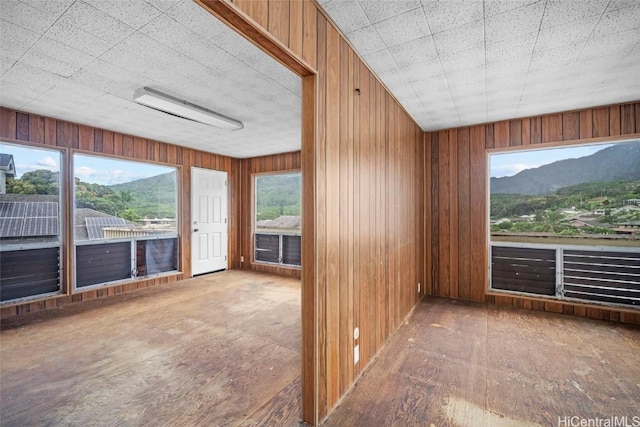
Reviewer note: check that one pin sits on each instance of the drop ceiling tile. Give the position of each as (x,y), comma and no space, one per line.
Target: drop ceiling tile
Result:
(430,85)
(558,12)
(513,23)
(507,69)
(54,8)
(16,40)
(461,38)
(140,53)
(164,5)
(31,81)
(96,22)
(520,47)
(347,15)
(108,78)
(170,33)
(189,14)
(380,61)
(403,28)
(497,7)
(377,11)
(133,13)
(618,44)
(5,64)
(544,59)
(55,57)
(474,75)
(423,70)
(366,40)
(414,51)
(453,13)
(618,20)
(571,32)
(619,4)
(471,58)
(25,16)
(77,38)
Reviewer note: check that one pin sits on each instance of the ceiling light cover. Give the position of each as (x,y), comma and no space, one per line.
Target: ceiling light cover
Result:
(178,107)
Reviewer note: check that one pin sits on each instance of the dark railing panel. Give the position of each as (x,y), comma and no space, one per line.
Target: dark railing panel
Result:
(602,276)
(291,250)
(524,270)
(102,263)
(27,273)
(267,247)
(156,256)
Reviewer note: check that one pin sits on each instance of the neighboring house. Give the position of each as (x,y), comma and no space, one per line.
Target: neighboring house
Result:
(7,170)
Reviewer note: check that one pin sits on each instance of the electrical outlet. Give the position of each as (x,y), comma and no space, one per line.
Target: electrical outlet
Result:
(241,258)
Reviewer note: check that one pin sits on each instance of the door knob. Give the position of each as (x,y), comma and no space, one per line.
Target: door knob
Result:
(195,229)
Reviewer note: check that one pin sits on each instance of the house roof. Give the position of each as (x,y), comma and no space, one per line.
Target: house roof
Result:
(282,222)
(7,164)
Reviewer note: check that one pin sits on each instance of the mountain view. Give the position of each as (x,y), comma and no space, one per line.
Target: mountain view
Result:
(620,162)
(592,195)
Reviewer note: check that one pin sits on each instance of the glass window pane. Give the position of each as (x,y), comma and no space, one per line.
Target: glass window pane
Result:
(121,199)
(30,221)
(278,204)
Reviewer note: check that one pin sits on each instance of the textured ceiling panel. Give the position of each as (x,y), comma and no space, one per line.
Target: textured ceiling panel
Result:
(82,61)
(453,62)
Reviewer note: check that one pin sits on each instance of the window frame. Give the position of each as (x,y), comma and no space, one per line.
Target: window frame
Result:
(254,220)
(74,243)
(559,296)
(62,242)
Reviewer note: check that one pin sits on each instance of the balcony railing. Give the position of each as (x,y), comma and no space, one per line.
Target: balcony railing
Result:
(609,275)
(278,248)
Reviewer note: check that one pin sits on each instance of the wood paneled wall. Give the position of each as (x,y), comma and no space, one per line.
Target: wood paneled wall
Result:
(456,223)
(36,130)
(362,167)
(248,167)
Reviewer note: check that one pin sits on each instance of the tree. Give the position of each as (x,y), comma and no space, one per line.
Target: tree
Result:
(553,218)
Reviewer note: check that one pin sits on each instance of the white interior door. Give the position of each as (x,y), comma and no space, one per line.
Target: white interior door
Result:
(209,220)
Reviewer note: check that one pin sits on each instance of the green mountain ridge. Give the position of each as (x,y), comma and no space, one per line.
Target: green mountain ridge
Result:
(620,162)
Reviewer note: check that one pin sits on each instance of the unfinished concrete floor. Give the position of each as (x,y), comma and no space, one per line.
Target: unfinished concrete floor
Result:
(222,349)
(465,364)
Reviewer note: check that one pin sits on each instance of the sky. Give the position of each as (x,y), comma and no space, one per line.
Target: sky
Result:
(510,163)
(92,169)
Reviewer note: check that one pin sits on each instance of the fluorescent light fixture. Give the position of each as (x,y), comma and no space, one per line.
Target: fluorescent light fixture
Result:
(186,110)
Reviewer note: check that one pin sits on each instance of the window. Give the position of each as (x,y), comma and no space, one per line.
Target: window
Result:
(30,222)
(565,222)
(125,220)
(278,201)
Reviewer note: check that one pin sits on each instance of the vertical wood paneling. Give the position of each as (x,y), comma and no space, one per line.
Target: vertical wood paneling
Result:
(515,132)
(471,215)
(627,119)
(571,126)
(501,134)
(296,10)
(332,176)
(279,20)
(552,128)
(614,120)
(444,214)
(22,126)
(453,213)
(464,210)
(600,122)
